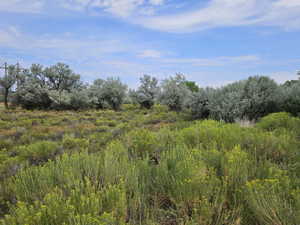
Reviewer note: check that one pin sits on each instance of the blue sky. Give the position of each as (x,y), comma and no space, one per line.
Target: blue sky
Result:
(212,42)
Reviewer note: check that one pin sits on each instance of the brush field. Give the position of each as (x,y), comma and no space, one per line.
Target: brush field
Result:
(147,167)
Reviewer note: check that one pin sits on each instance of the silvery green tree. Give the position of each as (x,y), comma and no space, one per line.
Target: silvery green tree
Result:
(192,85)
(147,92)
(113,92)
(260,97)
(175,93)
(226,103)
(95,93)
(7,82)
(290,98)
(75,99)
(60,77)
(32,91)
(61,81)
(199,104)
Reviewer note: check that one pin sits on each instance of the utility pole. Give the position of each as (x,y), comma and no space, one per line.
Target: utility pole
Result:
(6,89)
(5,68)
(11,77)
(19,69)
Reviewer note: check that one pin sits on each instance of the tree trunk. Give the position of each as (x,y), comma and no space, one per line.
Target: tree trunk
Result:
(6,97)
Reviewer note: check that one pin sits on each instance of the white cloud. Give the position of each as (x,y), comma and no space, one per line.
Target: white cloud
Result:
(217,61)
(21,6)
(150,54)
(147,13)
(61,47)
(157,2)
(120,8)
(226,13)
(283,76)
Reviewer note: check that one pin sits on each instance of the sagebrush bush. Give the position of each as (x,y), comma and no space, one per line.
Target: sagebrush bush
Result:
(152,167)
(39,152)
(147,93)
(175,93)
(280,121)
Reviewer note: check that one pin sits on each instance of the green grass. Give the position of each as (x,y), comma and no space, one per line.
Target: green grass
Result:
(142,167)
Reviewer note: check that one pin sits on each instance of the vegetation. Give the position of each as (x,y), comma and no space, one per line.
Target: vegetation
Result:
(58,88)
(139,166)
(90,159)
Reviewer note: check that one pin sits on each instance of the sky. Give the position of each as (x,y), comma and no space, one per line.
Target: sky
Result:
(211,42)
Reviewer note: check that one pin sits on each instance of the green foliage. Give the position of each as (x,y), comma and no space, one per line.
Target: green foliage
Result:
(199,104)
(83,205)
(192,86)
(290,95)
(260,96)
(152,167)
(113,93)
(7,82)
(147,93)
(39,152)
(175,93)
(280,121)
(141,143)
(270,201)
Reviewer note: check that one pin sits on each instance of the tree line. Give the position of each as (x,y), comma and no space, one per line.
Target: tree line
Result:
(59,87)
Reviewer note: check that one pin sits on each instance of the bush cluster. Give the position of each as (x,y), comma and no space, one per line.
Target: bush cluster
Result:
(249,99)
(58,87)
(202,172)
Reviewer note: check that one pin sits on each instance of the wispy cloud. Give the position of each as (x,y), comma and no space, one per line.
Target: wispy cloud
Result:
(228,13)
(283,76)
(215,13)
(63,47)
(212,62)
(21,6)
(150,53)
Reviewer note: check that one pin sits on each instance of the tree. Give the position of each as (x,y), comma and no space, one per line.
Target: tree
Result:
(95,94)
(290,98)
(226,103)
(60,77)
(113,92)
(147,92)
(199,104)
(74,99)
(8,81)
(32,91)
(192,86)
(260,97)
(52,87)
(175,93)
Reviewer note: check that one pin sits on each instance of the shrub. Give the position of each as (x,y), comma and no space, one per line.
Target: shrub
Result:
(39,152)
(199,104)
(84,205)
(96,94)
(32,95)
(175,93)
(147,92)
(226,103)
(75,99)
(113,93)
(290,98)
(277,121)
(71,143)
(270,202)
(141,143)
(260,97)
